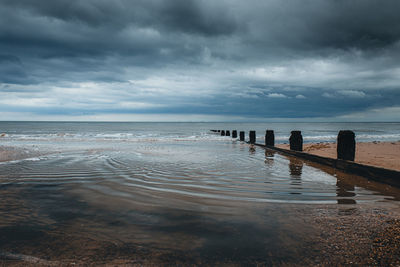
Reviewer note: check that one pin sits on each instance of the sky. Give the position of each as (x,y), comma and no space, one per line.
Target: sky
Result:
(200,60)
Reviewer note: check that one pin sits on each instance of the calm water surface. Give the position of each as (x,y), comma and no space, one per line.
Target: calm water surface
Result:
(165,192)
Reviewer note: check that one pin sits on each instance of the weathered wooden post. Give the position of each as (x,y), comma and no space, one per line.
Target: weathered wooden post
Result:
(296,141)
(227,133)
(241,136)
(222,133)
(346,145)
(234,134)
(269,138)
(252,137)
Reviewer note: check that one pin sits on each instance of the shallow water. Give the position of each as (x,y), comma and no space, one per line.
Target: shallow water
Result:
(187,198)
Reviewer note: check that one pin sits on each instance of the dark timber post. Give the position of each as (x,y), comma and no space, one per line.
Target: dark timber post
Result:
(296,141)
(252,136)
(269,138)
(346,145)
(241,136)
(234,134)
(222,133)
(227,133)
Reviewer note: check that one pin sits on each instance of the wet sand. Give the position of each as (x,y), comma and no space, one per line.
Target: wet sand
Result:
(379,154)
(66,223)
(349,235)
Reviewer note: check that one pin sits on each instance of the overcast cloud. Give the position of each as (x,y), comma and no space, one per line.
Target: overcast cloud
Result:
(199,60)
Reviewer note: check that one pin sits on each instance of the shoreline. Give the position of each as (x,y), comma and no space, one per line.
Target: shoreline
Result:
(378,154)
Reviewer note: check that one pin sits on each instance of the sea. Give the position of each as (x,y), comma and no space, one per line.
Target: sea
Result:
(175,193)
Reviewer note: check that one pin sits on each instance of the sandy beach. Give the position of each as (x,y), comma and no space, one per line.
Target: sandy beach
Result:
(379,154)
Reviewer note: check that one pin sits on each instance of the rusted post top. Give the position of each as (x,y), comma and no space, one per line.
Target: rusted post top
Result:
(346,145)
(296,141)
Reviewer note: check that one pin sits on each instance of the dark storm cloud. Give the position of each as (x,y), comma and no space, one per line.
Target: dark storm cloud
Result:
(185,56)
(258,29)
(179,15)
(12,70)
(329,24)
(10,59)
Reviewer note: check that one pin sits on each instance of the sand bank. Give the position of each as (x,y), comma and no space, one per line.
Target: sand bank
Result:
(379,154)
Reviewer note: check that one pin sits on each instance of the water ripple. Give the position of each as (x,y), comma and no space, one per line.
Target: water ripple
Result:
(237,173)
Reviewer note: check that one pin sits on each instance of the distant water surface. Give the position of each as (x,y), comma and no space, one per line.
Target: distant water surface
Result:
(312,132)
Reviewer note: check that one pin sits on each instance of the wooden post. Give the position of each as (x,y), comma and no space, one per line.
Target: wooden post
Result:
(234,134)
(227,133)
(252,136)
(346,145)
(222,133)
(241,136)
(296,141)
(269,138)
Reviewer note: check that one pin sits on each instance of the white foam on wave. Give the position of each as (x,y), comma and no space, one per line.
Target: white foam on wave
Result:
(21,160)
(130,137)
(379,137)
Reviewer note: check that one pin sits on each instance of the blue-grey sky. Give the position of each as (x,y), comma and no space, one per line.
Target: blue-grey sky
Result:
(200,60)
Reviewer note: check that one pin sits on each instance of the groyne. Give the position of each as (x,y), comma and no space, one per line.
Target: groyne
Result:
(346,146)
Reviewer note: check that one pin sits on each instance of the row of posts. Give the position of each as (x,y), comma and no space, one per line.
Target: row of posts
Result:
(346,144)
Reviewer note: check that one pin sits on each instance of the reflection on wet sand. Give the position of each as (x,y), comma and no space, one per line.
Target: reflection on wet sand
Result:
(269,157)
(345,191)
(252,149)
(348,183)
(296,168)
(70,230)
